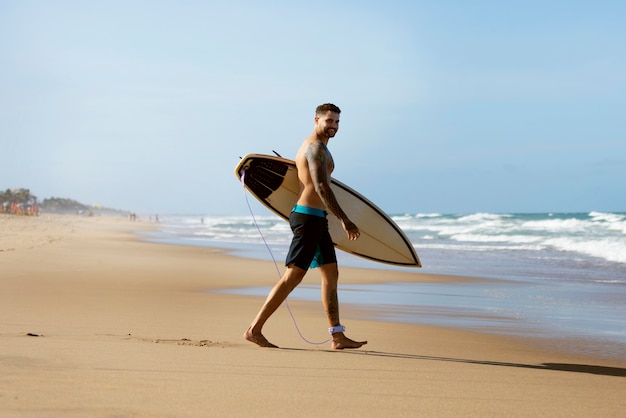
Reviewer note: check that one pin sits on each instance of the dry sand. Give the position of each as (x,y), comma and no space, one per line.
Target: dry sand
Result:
(96,323)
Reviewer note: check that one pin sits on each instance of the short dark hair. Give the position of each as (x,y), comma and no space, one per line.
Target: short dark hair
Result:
(323,108)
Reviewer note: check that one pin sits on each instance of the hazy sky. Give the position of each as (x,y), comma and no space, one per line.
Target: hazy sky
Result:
(448,106)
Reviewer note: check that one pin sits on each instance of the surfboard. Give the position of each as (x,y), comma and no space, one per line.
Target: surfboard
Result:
(274,182)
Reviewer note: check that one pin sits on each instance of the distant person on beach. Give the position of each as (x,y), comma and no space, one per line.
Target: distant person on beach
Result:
(312,245)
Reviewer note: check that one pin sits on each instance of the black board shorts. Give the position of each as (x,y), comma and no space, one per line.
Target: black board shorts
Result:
(311,245)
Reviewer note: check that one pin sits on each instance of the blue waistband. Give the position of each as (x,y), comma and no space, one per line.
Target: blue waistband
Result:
(309,211)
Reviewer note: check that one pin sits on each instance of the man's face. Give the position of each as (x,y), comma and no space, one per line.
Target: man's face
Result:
(327,124)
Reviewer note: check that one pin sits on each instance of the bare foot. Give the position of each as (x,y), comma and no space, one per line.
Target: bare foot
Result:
(340,341)
(258,339)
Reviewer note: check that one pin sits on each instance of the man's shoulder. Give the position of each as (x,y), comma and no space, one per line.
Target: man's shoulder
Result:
(314,147)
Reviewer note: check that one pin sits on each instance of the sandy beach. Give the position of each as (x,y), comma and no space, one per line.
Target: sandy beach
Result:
(95,322)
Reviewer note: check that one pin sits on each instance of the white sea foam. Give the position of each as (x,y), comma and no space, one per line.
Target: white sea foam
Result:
(596,234)
(608,249)
(557,225)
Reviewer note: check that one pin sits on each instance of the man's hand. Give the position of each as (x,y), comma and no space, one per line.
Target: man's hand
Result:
(351,230)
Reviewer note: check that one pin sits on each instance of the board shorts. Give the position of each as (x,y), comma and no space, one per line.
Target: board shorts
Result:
(312,245)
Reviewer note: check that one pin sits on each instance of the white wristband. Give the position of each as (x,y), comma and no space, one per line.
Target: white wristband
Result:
(335,329)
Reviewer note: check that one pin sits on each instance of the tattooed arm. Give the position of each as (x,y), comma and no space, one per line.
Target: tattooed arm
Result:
(320,165)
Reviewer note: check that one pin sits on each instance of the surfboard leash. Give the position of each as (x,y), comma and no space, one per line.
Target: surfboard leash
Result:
(269,250)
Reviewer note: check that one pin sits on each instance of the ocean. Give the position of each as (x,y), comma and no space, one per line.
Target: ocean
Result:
(557,275)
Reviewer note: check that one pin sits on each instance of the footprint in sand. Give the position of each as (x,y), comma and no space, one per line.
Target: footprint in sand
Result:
(183,341)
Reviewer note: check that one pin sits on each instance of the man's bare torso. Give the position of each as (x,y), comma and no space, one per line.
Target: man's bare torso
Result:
(313,159)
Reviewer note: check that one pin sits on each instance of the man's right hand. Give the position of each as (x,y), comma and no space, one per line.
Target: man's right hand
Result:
(352,231)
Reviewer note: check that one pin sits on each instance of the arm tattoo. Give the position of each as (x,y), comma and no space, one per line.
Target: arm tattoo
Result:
(317,156)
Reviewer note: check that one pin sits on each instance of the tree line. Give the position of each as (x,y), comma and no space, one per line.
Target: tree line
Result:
(22,202)
(18,202)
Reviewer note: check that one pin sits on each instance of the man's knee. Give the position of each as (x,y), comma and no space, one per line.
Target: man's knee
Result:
(330,273)
(294,275)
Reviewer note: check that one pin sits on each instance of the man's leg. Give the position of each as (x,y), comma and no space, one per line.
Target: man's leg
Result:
(292,278)
(330,277)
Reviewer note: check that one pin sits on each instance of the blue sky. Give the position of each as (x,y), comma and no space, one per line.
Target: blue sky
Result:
(448,106)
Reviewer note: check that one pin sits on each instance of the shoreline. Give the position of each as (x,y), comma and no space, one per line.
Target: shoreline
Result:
(489,305)
(96,321)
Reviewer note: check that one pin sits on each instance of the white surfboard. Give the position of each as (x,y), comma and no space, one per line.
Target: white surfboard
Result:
(274,182)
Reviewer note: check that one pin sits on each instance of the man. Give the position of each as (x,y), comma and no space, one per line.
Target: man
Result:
(312,244)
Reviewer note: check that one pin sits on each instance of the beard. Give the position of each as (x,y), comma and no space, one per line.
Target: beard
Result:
(330,132)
